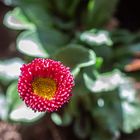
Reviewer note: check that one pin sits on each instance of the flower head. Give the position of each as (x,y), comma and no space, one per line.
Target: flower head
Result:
(45,84)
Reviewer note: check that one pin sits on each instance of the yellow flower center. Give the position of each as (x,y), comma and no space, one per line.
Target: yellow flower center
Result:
(44,87)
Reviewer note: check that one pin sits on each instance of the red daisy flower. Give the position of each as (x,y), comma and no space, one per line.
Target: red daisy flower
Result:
(45,84)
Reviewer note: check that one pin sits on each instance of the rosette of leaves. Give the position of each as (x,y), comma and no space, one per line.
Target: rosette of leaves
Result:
(58,30)
(49,25)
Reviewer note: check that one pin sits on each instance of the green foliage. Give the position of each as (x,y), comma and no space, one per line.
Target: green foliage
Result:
(68,56)
(28,43)
(9,69)
(63,120)
(99,12)
(3,107)
(82,127)
(130,106)
(17,20)
(104,101)
(12,96)
(23,114)
(96,38)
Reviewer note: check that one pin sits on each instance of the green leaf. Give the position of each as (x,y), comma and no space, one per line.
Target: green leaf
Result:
(87,101)
(29,44)
(12,96)
(127,52)
(36,12)
(96,37)
(99,62)
(72,7)
(105,52)
(9,2)
(80,88)
(135,48)
(17,20)
(63,119)
(66,118)
(122,37)
(99,41)
(99,13)
(99,134)
(88,82)
(10,69)
(130,107)
(108,103)
(3,107)
(67,25)
(105,82)
(23,114)
(52,39)
(56,118)
(69,56)
(75,71)
(82,127)
(90,71)
(72,107)
(131,112)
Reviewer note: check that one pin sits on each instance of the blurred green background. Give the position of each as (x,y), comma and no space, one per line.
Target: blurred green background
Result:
(100,41)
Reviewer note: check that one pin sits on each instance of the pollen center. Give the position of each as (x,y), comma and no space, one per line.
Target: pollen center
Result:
(44,87)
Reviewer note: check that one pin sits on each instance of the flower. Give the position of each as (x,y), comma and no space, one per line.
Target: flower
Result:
(45,84)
